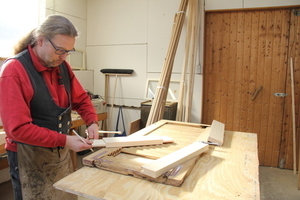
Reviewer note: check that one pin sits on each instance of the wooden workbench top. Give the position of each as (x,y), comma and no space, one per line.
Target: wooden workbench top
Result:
(226,172)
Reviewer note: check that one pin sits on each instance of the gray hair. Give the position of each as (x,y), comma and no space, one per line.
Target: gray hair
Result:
(53,25)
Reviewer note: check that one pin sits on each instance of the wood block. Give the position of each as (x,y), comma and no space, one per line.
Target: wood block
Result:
(134,126)
(164,164)
(98,143)
(2,138)
(135,141)
(217,132)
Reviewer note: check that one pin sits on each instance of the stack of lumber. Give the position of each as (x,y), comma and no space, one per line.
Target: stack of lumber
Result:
(158,105)
(190,62)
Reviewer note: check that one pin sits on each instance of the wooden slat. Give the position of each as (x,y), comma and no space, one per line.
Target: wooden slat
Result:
(136,141)
(282,26)
(216,134)
(134,126)
(260,80)
(224,68)
(245,82)
(286,156)
(231,73)
(254,84)
(172,160)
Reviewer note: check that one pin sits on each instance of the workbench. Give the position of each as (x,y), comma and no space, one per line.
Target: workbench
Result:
(223,172)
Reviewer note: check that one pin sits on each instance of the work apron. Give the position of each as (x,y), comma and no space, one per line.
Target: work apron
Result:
(40,168)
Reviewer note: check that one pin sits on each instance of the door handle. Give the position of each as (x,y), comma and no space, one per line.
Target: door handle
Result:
(278,94)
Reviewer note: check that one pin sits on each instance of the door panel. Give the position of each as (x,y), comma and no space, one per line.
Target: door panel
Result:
(246,60)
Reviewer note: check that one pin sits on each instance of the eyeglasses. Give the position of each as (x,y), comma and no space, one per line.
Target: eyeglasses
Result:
(59,51)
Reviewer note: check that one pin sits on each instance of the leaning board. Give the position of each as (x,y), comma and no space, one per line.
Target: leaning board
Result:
(129,160)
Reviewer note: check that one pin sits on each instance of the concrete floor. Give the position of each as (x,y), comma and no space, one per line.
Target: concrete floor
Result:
(275,184)
(278,184)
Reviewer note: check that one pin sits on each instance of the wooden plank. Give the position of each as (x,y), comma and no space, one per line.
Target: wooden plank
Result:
(162,165)
(216,134)
(246,82)
(134,126)
(2,138)
(231,73)
(99,143)
(136,141)
(2,142)
(255,86)
(291,30)
(259,119)
(224,67)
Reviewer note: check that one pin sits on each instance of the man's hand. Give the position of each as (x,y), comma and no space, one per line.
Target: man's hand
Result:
(76,144)
(92,132)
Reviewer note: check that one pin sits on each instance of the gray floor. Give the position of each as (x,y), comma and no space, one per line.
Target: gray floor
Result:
(278,184)
(275,184)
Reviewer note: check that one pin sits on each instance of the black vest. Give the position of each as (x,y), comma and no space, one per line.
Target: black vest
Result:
(44,111)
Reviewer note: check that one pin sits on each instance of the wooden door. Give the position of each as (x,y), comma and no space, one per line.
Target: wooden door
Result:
(246,77)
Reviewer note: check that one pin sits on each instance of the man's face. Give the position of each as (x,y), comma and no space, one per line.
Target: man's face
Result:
(51,48)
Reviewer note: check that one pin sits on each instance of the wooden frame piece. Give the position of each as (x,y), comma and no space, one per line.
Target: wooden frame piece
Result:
(172,160)
(217,133)
(131,141)
(98,143)
(172,90)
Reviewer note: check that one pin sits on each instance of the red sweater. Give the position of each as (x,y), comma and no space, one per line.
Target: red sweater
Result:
(16,93)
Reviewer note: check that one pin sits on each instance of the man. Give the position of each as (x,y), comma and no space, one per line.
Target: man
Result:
(38,90)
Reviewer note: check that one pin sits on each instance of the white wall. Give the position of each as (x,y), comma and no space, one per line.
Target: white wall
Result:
(132,34)
(75,11)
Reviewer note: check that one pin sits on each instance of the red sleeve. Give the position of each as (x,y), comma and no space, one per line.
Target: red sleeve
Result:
(15,95)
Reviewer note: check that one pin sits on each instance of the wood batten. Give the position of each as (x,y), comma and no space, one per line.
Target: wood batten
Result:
(159,100)
(131,141)
(172,160)
(216,134)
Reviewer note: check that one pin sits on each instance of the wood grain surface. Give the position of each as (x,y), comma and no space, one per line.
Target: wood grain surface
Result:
(223,172)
